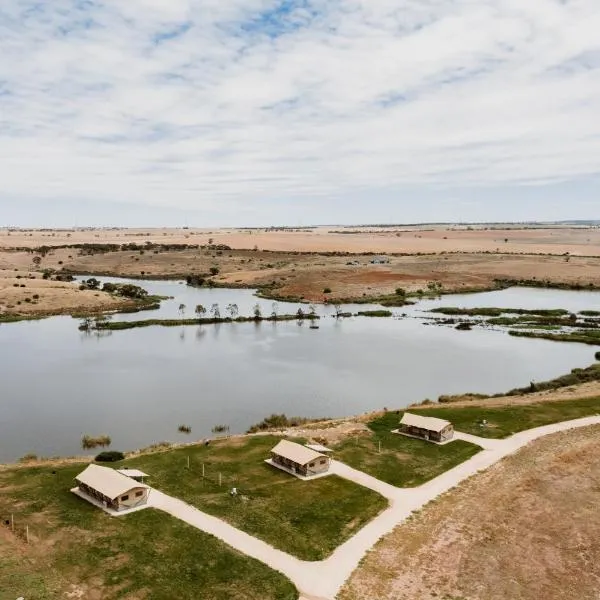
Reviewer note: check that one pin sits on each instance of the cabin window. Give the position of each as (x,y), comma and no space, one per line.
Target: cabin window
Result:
(311,465)
(322,461)
(123,498)
(138,494)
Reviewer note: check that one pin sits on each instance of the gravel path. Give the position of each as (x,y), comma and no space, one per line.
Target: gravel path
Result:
(322,580)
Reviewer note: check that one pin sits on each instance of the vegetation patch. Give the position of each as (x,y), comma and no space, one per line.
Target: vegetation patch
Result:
(496,312)
(374,313)
(282,421)
(308,519)
(402,461)
(120,325)
(147,554)
(583,336)
(89,441)
(503,421)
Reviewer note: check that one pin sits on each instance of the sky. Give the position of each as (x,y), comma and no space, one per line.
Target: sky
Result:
(298,112)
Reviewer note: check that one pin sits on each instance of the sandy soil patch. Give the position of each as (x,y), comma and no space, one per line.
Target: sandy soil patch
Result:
(512,532)
(25,292)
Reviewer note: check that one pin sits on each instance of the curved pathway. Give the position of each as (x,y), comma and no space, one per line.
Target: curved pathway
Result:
(322,580)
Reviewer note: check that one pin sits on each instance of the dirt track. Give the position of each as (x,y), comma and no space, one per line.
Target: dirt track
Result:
(511,532)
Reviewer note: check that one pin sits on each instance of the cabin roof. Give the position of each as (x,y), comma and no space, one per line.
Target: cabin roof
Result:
(296,453)
(132,473)
(429,423)
(107,481)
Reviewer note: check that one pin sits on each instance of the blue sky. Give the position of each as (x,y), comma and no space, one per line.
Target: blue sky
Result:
(260,112)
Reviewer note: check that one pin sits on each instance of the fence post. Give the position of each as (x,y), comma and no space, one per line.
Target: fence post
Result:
(27,532)
(12,522)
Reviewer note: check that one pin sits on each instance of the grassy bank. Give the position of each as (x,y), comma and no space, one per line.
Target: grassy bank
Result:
(497,312)
(146,554)
(575,377)
(506,420)
(119,325)
(403,461)
(583,336)
(308,519)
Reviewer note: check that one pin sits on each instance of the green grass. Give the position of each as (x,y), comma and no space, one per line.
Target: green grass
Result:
(403,461)
(308,519)
(506,420)
(147,553)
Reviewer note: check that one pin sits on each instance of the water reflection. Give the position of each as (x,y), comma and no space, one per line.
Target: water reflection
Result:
(137,385)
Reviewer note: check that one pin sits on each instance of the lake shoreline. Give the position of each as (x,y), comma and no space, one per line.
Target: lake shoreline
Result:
(543,393)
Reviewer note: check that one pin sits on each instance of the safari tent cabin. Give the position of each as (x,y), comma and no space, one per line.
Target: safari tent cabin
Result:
(110,488)
(299,459)
(428,428)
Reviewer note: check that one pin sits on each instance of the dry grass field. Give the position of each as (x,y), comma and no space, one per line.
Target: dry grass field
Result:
(403,239)
(525,529)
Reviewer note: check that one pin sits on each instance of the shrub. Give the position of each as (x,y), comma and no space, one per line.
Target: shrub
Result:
(184,429)
(597,356)
(109,456)
(327,290)
(28,458)
(214,270)
(87,441)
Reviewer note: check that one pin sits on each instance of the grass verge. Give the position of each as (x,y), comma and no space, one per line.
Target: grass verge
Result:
(503,421)
(403,461)
(146,554)
(308,519)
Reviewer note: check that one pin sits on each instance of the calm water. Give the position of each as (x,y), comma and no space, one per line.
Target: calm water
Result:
(138,385)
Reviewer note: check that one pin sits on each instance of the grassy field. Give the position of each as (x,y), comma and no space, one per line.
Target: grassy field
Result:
(146,554)
(506,420)
(403,461)
(308,519)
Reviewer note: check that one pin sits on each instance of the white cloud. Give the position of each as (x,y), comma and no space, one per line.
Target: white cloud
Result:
(213,105)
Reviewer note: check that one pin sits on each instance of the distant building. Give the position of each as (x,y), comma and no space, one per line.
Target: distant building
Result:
(110,488)
(428,428)
(298,460)
(380,260)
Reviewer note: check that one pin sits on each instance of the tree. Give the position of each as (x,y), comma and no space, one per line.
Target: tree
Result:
(233,310)
(338,310)
(210,241)
(200,310)
(300,313)
(86,324)
(257,312)
(214,271)
(274,309)
(215,311)
(182,309)
(400,292)
(312,310)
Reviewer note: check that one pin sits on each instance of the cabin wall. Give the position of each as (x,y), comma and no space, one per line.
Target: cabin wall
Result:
(134,497)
